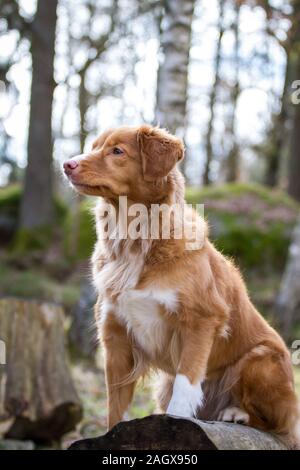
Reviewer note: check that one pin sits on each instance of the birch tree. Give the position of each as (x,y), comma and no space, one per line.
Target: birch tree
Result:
(277,141)
(233,155)
(213,95)
(279,136)
(172,81)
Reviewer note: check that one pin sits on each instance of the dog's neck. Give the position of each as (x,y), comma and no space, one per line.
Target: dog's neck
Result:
(174,194)
(124,214)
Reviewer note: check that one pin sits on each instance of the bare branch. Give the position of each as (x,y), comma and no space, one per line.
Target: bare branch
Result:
(9,9)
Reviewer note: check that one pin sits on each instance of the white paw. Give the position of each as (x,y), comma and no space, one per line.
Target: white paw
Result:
(180,407)
(234,414)
(186,398)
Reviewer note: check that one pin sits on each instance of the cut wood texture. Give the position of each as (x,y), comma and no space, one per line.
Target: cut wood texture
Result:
(164,432)
(37,397)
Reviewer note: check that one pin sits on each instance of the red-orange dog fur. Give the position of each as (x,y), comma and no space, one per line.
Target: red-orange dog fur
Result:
(183,312)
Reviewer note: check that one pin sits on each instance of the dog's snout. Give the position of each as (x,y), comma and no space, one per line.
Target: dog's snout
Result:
(69,166)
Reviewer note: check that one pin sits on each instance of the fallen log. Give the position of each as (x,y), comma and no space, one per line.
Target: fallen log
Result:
(165,432)
(38,400)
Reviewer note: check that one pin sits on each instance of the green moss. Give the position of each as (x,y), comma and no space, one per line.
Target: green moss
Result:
(30,240)
(229,190)
(9,199)
(249,222)
(253,246)
(70,294)
(24,239)
(80,234)
(61,210)
(37,284)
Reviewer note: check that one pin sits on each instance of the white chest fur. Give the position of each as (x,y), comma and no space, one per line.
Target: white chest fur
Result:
(139,310)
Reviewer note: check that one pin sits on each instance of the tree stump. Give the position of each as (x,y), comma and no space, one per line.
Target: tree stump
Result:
(165,432)
(38,400)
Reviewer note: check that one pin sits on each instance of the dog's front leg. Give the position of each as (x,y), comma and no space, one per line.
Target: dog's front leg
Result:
(119,365)
(187,394)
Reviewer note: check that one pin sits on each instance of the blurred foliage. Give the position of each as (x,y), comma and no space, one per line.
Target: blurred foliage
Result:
(79,245)
(76,246)
(37,283)
(273,197)
(9,206)
(249,222)
(9,200)
(23,240)
(262,288)
(297,379)
(27,240)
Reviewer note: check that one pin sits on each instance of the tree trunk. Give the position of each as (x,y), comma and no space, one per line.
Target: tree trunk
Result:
(213,97)
(172,80)
(233,156)
(294,153)
(278,138)
(37,398)
(37,207)
(164,432)
(287,305)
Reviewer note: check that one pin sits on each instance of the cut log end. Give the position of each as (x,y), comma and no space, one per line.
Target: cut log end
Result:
(37,397)
(165,432)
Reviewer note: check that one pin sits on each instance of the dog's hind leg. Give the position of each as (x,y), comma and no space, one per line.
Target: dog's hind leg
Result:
(266,392)
(233,414)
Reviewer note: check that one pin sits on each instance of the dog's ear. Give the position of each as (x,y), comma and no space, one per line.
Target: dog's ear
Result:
(160,151)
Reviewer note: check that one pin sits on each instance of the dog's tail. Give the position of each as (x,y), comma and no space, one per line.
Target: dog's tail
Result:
(291,439)
(294,438)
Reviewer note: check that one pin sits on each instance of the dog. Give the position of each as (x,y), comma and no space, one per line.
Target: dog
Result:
(184,312)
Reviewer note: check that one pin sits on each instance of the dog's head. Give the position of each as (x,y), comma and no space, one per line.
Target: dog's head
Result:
(129,161)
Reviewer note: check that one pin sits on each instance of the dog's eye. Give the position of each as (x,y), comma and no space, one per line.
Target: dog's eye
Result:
(117,151)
